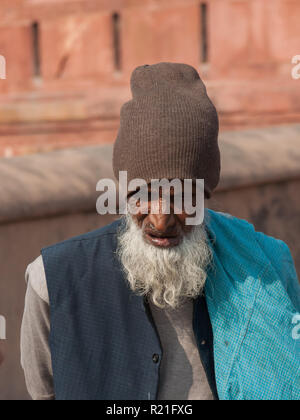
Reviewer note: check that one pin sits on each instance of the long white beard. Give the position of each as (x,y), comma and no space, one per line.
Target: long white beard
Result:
(166,276)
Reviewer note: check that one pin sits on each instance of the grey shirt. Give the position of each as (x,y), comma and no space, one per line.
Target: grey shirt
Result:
(182,376)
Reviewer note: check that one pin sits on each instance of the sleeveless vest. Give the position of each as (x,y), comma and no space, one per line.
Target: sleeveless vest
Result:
(104,344)
(103,340)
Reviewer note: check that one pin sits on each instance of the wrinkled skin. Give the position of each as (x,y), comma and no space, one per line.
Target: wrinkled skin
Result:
(163,230)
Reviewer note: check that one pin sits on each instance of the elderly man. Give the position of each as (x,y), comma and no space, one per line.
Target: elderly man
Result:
(152,308)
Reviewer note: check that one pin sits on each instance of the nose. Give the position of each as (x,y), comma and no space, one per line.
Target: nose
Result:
(162,222)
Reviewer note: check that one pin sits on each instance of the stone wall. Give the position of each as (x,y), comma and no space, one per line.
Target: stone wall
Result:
(68,71)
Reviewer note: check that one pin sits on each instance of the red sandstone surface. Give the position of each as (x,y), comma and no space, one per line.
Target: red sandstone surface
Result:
(68,63)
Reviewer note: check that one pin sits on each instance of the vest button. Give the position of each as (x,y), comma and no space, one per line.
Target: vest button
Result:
(155,358)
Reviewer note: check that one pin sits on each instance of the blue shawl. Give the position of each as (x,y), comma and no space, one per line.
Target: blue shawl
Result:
(253,296)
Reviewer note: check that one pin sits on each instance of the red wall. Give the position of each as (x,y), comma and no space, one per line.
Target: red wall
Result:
(77,98)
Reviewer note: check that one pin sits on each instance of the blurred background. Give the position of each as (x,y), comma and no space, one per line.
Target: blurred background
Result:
(68,67)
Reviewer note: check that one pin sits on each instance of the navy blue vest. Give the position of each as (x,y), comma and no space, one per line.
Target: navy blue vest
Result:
(103,340)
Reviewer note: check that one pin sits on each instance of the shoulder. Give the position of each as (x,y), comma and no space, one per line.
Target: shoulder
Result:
(215,218)
(71,260)
(98,234)
(36,278)
(234,237)
(230,226)
(223,227)
(241,237)
(35,272)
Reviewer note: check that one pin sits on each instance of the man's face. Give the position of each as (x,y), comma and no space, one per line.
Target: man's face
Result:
(163,258)
(163,230)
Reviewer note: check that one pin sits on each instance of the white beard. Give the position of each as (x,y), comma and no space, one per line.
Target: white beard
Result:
(167,276)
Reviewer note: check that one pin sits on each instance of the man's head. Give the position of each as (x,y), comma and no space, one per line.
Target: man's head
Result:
(165,225)
(169,130)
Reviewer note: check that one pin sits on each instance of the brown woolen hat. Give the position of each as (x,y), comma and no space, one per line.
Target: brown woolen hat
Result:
(169,129)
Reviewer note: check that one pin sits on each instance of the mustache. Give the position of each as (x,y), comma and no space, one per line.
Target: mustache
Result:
(168,233)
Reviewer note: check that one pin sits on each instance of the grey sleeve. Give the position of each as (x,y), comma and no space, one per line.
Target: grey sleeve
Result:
(35,351)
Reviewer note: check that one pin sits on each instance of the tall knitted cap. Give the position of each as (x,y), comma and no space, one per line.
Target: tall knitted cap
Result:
(169,129)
